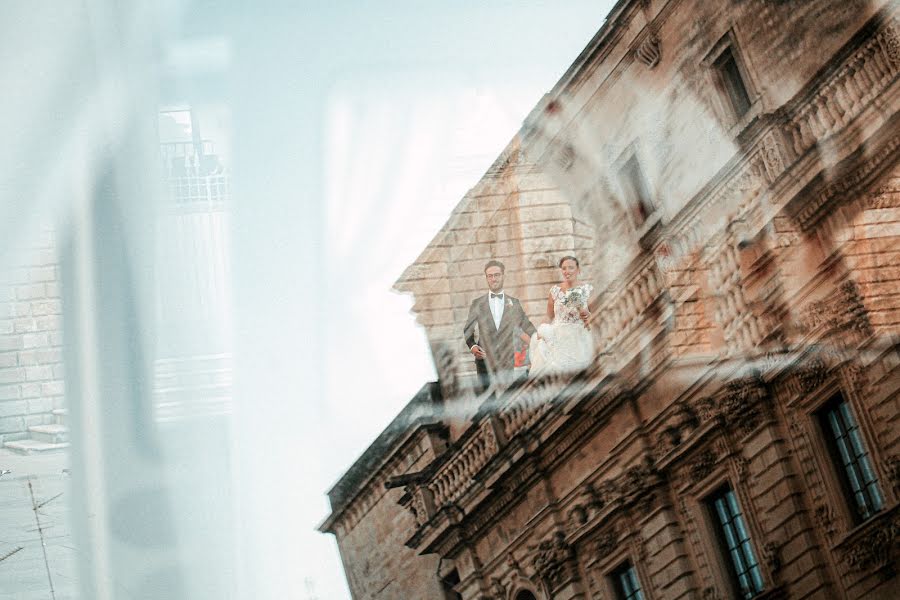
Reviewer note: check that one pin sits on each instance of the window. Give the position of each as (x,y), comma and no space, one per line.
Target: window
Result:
(733,82)
(449,583)
(626,583)
(637,192)
(735,542)
(845,444)
(525,595)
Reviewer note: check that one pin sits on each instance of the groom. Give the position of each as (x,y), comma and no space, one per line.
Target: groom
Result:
(499,319)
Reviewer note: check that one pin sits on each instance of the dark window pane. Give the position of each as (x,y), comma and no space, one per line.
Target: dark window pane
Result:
(736,541)
(733,83)
(851,458)
(626,583)
(637,192)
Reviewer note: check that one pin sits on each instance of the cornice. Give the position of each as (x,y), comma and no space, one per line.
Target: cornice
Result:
(372,488)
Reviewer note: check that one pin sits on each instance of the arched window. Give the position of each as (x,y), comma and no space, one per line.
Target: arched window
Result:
(525,595)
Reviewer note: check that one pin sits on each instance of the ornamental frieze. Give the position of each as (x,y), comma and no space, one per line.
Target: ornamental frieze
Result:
(841,314)
(875,547)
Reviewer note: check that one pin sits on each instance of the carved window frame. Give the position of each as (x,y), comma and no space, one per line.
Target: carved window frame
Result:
(710,550)
(653,218)
(822,455)
(805,412)
(733,122)
(839,467)
(715,529)
(612,575)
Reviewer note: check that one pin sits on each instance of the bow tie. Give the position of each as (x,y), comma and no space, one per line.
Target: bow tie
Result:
(500,295)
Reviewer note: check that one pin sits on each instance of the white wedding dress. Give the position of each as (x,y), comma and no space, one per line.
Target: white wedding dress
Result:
(564,345)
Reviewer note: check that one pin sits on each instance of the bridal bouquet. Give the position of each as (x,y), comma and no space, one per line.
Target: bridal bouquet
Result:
(574,298)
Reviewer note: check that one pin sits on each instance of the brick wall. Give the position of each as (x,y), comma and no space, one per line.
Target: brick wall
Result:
(31,370)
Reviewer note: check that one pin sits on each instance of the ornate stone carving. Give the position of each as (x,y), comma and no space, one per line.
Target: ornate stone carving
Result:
(578,516)
(707,408)
(891,41)
(893,471)
(702,465)
(648,51)
(741,406)
(711,593)
(593,499)
(773,156)
(689,419)
(498,589)
(812,375)
(606,543)
(772,556)
(825,520)
(856,376)
(418,500)
(637,485)
(841,312)
(491,444)
(671,437)
(875,548)
(851,307)
(884,197)
(554,562)
(514,565)
(420,506)
(624,307)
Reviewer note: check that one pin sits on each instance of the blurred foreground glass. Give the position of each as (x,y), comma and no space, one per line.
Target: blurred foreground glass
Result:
(122,262)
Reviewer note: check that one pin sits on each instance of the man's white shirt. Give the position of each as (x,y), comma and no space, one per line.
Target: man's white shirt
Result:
(496,304)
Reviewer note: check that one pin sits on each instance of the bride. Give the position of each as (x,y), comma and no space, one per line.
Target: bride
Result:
(564,344)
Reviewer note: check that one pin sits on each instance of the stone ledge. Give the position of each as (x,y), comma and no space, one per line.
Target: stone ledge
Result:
(35,447)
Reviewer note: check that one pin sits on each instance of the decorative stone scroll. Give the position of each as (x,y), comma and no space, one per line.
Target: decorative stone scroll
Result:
(648,51)
(554,562)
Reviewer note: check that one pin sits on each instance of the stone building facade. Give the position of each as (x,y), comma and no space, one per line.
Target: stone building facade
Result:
(729,174)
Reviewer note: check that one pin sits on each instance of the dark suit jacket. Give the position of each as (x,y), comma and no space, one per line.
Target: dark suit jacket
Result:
(498,343)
